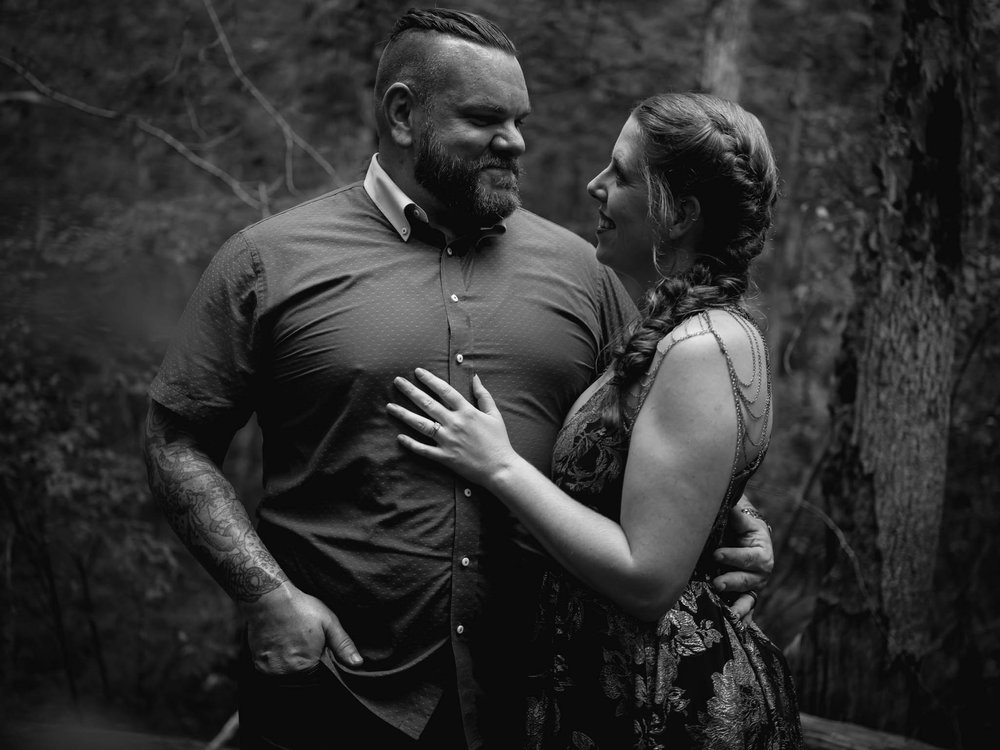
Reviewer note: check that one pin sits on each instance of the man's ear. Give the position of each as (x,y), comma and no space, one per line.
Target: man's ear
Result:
(686,217)
(399,105)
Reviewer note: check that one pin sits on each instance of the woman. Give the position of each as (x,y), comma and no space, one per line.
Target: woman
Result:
(643,652)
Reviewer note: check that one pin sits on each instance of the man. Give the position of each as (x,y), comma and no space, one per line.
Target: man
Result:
(387,603)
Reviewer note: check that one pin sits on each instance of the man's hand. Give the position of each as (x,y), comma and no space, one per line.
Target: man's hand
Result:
(288,630)
(750,555)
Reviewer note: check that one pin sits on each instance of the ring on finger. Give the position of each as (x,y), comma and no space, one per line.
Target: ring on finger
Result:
(753,594)
(434,429)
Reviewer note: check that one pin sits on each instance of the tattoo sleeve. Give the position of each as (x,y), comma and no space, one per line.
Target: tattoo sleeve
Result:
(202,508)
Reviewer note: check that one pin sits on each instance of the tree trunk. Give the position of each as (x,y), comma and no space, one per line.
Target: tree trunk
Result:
(725,37)
(884,482)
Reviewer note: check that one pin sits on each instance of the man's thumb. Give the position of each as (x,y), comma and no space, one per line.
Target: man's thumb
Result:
(340,643)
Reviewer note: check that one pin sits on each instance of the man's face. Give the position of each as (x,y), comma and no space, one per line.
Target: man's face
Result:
(480,189)
(470,135)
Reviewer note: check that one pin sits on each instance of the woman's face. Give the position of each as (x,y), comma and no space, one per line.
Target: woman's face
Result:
(626,235)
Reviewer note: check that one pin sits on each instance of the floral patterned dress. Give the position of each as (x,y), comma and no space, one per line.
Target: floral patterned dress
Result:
(694,679)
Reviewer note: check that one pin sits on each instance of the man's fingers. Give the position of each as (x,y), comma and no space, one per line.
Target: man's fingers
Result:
(754,559)
(340,643)
(739,581)
(743,608)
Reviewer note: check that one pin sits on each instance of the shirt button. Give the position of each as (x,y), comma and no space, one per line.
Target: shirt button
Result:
(454,298)
(465,562)
(449,251)
(459,358)
(467,492)
(460,629)
(404,231)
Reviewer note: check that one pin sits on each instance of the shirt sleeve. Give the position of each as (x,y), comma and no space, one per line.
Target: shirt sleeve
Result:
(210,368)
(617,310)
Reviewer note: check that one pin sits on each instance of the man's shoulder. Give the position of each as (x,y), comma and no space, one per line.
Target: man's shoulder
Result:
(322,209)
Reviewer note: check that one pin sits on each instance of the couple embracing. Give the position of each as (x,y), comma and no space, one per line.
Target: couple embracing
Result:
(503,477)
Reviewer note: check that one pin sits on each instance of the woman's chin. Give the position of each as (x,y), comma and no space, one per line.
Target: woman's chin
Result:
(604,254)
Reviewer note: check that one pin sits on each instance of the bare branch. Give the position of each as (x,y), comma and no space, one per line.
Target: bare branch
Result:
(870,601)
(31,97)
(225,734)
(970,351)
(291,137)
(140,124)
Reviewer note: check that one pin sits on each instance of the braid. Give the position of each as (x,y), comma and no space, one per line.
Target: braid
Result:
(701,146)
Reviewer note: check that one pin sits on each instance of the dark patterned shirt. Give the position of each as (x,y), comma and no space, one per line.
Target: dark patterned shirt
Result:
(305,318)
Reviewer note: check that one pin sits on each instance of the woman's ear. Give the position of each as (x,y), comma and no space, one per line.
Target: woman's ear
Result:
(686,218)
(399,105)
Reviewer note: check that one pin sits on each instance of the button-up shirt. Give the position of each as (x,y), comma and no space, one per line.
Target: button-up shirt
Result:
(305,318)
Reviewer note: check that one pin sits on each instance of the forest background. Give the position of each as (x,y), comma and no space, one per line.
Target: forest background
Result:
(135,136)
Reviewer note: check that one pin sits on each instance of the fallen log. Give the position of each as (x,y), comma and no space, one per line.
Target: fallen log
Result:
(826,734)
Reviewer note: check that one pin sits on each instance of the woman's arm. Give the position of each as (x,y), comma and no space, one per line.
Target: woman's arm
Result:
(679,463)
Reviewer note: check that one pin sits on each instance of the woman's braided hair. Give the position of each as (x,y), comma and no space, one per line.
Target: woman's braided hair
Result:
(696,145)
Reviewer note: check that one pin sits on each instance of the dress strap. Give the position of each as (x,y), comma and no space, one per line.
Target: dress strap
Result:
(751,395)
(675,336)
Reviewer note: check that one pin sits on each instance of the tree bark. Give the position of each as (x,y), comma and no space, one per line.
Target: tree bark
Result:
(884,482)
(725,38)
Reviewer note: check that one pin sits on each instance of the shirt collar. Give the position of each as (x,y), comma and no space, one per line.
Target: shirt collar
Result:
(397,206)
(390,200)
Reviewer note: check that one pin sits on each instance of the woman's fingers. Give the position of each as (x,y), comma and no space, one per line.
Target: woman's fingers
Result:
(450,399)
(421,449)
(482,396)
(432,408)
(421,424)
(448,395)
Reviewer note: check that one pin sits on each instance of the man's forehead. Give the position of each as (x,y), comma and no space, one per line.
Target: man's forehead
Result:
(472,76)
(461,57)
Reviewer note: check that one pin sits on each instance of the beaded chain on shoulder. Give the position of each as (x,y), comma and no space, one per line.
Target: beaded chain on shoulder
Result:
(746,393)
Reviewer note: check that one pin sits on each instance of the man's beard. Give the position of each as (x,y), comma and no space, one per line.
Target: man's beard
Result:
(456,182)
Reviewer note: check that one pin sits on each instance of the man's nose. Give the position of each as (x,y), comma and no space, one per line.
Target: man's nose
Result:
(509,141)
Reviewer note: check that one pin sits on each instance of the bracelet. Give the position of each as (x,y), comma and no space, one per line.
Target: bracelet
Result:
(754,513)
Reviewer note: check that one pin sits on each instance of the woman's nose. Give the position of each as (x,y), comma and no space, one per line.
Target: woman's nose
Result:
(596,189)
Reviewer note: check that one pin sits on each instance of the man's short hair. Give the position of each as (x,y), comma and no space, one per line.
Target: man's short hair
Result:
(421,70)
(455,23)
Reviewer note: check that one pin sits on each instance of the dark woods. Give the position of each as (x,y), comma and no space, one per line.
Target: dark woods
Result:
(137,136)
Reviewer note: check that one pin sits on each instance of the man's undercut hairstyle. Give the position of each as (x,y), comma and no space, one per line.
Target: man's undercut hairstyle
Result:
(456,23)
(402,62)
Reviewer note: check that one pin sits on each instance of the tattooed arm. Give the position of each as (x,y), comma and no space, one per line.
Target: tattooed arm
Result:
(287,629)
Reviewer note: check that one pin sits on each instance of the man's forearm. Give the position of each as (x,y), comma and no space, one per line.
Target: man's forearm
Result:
(202,507)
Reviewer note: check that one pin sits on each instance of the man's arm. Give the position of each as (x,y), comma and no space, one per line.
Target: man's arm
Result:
(287,629)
